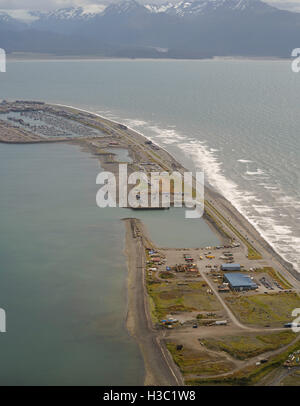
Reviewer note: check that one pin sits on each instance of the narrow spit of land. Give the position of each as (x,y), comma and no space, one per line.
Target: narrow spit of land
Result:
(182,308)
(31,122)
(159,366)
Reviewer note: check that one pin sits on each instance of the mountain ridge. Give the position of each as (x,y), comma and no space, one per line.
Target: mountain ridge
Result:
(187,29)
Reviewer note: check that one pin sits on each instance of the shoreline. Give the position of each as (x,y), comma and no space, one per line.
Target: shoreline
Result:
(38,57)
(212,194)
(215,194)
(159,368)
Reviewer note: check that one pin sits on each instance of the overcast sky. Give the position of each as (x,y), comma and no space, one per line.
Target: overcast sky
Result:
(46,5)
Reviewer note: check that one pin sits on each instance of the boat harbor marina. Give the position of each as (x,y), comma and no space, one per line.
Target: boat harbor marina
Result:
(184,303)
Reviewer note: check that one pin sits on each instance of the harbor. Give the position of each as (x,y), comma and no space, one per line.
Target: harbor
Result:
(177,289)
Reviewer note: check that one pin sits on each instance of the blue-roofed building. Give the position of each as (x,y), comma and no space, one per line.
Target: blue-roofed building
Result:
(239,281)
(231,267)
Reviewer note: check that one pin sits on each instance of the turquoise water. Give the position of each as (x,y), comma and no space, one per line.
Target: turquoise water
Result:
(236,120)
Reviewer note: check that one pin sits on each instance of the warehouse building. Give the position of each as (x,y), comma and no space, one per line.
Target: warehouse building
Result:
(240,282)
(231,267)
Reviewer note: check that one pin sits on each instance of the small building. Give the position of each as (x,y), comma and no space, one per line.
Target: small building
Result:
(231,267)
(240,282)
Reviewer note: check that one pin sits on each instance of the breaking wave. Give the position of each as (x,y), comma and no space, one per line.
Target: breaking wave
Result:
(265,205)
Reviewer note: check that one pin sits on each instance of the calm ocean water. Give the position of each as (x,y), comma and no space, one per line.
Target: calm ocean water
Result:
(63,272)
(237,120)
(61,261)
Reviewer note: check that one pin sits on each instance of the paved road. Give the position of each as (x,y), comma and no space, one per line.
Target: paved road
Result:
(222,207)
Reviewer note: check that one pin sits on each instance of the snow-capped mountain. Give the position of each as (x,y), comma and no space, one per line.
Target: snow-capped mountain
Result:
(159,8)
(4,17)
(201,7)
(76,15)
(9,23)
(187,29)
(181,9)
(63,20)
(124,8)
(70,13)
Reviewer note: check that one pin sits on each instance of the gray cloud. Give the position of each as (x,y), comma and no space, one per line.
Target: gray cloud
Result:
(286,5)
(45,5)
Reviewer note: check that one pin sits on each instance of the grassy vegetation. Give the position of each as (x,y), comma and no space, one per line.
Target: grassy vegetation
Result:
(276,276)
(153,312)
(169,298)
(264,309)
(148,152)
(166,275)
(197,362)
(252,253)
(248,346)
(217,224)
(292,380)
(248,376)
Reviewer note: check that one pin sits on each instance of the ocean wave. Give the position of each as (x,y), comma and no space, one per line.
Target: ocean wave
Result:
(257,172)
(280,236)
(265,218)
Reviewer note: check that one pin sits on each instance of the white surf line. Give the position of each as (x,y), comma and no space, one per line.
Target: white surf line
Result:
(237,207)
(113,121)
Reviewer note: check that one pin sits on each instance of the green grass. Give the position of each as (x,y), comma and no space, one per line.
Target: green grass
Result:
(264,309)
(217,224)
(292,380)
(250,375)
(193,362)
(248,346)
(169,298)
(253,254)
(166,275)
(276,276)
